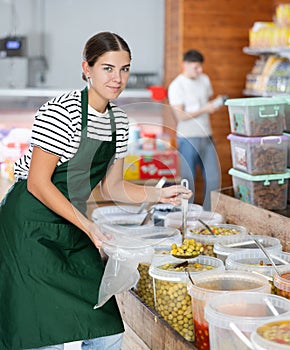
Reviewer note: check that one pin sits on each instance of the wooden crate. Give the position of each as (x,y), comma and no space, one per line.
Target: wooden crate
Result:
(145,329)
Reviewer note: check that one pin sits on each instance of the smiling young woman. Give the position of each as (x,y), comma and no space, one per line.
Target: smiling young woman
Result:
(51,266)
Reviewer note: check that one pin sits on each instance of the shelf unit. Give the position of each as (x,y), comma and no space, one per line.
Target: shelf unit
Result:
(279,82)
(277,51)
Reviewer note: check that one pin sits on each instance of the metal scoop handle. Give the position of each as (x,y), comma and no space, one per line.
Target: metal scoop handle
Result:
(184,208)
(265,252)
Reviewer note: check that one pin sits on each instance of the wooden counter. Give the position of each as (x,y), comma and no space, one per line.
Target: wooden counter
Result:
(256,220)
(145,329)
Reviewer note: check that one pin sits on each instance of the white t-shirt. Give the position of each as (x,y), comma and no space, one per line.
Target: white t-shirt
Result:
(192,94)
(57,130)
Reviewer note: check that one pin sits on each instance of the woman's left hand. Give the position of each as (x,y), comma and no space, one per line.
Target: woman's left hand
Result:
(174,194)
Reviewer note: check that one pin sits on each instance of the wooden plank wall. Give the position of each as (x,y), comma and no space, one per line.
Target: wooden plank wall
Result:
(219,29)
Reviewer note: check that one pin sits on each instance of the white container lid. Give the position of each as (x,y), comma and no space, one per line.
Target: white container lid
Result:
(244,309)
(232,244)
(117,212)
(157,272)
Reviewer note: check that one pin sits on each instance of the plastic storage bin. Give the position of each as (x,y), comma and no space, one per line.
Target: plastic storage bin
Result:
(288,148)
(234,244)
(265,191)
(243,309)
(287,113)
(259,155)
(272,335)
(208,286)
(222,231)
(172,300)
(256,261)
(256,116)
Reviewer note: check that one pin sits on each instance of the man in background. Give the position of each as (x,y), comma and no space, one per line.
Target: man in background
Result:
(189,93)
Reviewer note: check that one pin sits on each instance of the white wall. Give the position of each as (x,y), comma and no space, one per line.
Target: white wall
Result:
(60,28)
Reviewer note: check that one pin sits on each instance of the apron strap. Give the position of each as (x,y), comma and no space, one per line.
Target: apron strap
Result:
(112,121)
(84,103)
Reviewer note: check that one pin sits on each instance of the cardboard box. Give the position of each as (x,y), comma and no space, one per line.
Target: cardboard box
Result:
(151,165)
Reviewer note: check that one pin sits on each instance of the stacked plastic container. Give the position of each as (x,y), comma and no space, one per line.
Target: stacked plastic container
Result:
(287,133)
(259,151)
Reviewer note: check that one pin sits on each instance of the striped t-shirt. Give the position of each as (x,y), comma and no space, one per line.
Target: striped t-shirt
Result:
(57,130)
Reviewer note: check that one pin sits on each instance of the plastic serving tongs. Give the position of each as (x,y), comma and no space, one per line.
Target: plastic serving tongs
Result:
(184,209)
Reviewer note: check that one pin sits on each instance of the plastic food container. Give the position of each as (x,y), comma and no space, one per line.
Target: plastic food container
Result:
(265,191)
(117,212)
(161,211)
(287,113)
(243,309)
(272,335)
(144,286)
(256,261)
(288,148)
(234,244)
(206,287)
(256,116)
(222,231)
(259,155)
(282,282)
(209,217)
(172,300)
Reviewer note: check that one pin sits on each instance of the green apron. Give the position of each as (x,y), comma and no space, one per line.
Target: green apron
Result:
(50,270)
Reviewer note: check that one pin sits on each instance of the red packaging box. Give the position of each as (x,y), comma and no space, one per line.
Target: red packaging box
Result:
(158,164)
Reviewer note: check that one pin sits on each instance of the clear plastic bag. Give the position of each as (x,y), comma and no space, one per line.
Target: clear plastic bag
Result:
(121,273)
(126,248)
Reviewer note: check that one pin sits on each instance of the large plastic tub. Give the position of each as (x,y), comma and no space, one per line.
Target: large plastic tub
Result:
(259,155)
(256,116)
(282,282)
(265,191)
(222,231)
(172,300)
(256,261)
(208,286)
(234,244)
(245,310)
(272,335)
